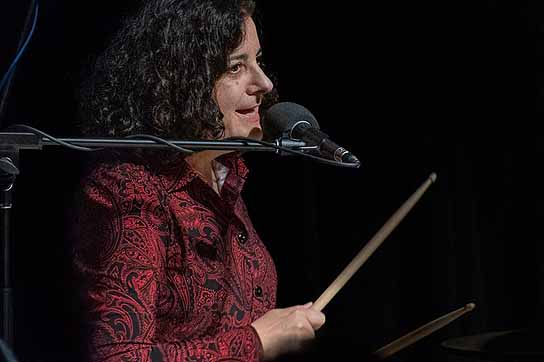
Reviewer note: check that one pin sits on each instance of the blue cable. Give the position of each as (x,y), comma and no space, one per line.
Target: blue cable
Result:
(7,354)
(20,53)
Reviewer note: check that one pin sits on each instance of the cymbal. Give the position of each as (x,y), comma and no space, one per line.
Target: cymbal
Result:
(521,344)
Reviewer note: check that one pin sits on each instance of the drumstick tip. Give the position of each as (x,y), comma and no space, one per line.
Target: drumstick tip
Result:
(433,177)
(470,306)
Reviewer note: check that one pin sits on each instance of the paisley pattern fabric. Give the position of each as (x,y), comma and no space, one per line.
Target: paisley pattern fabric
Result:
(171,271)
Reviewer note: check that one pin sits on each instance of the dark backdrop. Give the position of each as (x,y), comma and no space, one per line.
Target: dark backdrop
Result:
(453,87)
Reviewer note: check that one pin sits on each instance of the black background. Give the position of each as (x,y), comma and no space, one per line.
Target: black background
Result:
(452,87)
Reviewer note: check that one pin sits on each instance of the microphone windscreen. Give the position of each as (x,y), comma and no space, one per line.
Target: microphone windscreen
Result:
(281,117)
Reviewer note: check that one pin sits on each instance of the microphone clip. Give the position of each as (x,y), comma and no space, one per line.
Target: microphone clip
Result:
(296,145)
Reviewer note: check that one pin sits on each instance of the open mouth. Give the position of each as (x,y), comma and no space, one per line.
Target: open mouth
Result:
(250,114)
(247,111)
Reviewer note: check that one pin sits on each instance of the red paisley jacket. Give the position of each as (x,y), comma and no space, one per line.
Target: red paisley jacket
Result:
(171,271)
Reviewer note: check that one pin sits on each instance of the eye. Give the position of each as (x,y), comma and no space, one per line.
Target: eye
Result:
(235,68)
(261,63)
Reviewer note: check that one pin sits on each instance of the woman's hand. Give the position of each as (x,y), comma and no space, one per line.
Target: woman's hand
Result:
(286,330)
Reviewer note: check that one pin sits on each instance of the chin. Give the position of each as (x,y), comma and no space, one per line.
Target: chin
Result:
(256,134)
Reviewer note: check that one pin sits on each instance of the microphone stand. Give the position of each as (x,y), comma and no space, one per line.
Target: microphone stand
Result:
(8,173)
(12,142)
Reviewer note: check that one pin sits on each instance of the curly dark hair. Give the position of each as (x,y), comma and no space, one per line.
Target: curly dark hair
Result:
(158,73)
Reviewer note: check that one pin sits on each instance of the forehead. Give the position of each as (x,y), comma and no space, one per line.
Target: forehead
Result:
(250,42)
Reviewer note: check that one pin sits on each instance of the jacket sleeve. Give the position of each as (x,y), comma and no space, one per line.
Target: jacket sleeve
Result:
(119,259)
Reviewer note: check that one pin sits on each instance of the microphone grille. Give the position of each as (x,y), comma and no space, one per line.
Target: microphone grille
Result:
(281,117)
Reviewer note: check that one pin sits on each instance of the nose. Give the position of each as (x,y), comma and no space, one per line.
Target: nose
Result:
(261,83)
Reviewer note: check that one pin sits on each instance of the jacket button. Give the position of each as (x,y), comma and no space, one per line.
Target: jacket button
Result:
(258,292)
(242,237)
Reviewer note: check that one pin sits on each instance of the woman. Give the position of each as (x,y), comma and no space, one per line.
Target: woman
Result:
(171,266)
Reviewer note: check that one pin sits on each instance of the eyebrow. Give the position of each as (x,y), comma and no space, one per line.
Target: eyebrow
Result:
(244,56)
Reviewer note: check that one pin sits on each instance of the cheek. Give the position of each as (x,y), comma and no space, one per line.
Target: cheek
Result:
(229,96)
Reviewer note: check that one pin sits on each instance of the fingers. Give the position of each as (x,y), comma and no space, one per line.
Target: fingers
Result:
(287,330)
(303,324)
(315,318)
(295,307)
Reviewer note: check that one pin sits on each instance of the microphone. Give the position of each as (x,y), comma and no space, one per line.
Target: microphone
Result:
(286,119)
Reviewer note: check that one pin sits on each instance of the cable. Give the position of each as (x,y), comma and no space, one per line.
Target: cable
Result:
(185,150)
(161,140)
(7,354)
(21,50)
(89,149)
(53,139)
(315,158)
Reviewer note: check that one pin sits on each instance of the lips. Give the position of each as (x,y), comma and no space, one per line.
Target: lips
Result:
(247,110)
(251,114)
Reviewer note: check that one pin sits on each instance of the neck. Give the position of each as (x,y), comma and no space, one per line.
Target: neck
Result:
(202,162)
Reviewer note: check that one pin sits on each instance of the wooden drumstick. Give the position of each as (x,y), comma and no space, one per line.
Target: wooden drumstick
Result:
(421,332)
(371,246)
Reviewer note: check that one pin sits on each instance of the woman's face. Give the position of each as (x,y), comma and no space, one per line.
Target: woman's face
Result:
(239,91)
